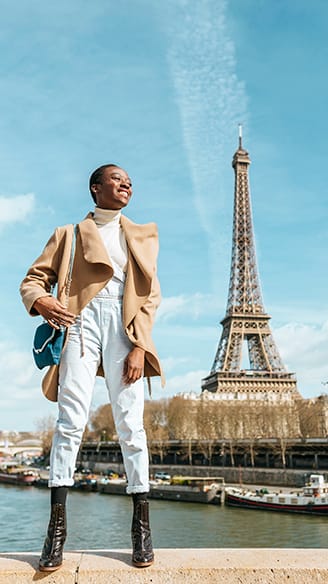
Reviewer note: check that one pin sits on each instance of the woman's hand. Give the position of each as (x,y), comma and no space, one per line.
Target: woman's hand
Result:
(53,311)
(134,365)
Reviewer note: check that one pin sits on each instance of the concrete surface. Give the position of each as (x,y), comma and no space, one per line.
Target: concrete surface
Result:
(174,566)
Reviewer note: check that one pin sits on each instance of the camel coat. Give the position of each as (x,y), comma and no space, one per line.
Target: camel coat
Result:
(92,270)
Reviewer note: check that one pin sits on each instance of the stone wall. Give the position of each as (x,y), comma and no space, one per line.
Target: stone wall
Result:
(255,476)
(193,566)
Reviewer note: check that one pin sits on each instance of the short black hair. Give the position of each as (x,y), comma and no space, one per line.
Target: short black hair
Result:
(97,175)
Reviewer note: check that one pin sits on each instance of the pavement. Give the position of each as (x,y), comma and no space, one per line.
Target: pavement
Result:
(174,566)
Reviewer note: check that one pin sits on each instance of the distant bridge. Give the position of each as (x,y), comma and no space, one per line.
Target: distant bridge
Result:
(28,449)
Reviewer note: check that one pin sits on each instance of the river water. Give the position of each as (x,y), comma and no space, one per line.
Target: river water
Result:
(98,521)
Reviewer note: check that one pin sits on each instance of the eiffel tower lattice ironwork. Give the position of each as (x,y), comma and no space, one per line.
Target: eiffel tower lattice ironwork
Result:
(246,322)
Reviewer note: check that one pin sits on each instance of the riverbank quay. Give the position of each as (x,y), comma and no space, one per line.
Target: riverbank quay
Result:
(269,453)
(174,566)
(275,477)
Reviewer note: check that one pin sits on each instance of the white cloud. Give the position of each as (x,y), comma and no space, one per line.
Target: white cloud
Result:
(303,347)
(293,312)
(16,368)
(170,363)
(22,401)
(186,382)
(212,101)
(189,305)
(190,381)
(304,350)
(16,209)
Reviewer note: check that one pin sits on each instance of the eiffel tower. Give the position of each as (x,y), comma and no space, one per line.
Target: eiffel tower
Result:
(246,322)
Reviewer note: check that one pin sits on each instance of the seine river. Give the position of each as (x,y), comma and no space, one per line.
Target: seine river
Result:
(98,521)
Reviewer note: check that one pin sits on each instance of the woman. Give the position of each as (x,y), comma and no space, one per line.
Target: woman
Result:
(109,316)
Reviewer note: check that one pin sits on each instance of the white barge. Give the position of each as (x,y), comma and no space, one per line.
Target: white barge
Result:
(312,499)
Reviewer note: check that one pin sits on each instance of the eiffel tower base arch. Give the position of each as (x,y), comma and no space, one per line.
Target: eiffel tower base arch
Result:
(251,385)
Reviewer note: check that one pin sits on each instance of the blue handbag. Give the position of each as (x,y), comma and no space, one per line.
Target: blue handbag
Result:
(48,342)
(48,345)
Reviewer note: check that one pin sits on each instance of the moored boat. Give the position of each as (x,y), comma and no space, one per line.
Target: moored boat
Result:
(86,482)
(312,499)
(18,475)
(112,486)
(187,489)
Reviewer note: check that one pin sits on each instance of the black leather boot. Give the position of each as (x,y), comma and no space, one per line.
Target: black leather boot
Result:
(52,553)
(142,549)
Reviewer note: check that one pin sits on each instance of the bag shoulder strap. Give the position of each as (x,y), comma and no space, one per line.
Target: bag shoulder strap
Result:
(71,262)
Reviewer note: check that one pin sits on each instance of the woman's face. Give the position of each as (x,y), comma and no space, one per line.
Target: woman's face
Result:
(114,190)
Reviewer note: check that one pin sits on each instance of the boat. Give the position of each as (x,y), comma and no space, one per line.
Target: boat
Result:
(180,488)
(43,478)
(189,489)
(18,475)
(85,482)
(312,499)
(112,486)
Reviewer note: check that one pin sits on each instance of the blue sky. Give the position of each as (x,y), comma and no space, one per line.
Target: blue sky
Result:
(159,88)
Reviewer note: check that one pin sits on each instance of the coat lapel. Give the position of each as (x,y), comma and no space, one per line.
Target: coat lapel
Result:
(92,245)
(141,240)
(143,248)
(142,243)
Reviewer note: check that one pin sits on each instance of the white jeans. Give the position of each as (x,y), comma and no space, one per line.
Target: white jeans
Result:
(100,329)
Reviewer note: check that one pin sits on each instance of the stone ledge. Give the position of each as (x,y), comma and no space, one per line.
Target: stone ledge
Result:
(174,566)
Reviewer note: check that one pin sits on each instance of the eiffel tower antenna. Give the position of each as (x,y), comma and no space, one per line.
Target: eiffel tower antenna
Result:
(240,126)
(246,324)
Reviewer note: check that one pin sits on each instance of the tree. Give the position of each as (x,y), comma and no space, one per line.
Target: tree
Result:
(46,427)
(283,422)
(206,427)
(181,419)
(313,417)
(254,424)
(102,423)
(155,422)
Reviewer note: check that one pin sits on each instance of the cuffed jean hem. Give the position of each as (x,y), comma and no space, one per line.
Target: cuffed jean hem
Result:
(61,483)
(137,489)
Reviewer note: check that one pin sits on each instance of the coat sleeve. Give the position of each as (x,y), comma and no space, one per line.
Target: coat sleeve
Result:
(144,319)
(42,275)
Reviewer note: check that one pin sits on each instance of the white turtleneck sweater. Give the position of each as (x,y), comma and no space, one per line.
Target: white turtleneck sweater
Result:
(110,230)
